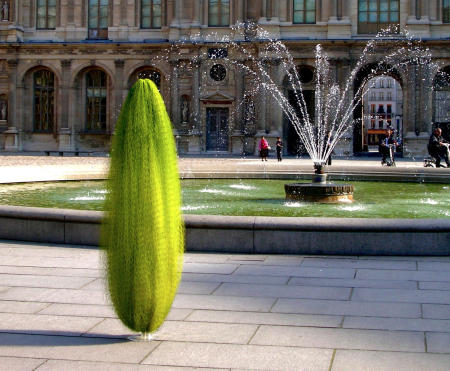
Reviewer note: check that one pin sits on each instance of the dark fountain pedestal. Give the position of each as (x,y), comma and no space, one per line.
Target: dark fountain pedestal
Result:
(319,190)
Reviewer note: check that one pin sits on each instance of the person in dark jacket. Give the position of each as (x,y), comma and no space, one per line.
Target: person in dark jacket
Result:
(279,147)
(385,147)
(438,147)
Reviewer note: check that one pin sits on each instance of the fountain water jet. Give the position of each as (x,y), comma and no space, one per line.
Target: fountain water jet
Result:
(334,104)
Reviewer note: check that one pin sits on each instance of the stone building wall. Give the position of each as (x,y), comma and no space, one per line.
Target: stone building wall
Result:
(193,98)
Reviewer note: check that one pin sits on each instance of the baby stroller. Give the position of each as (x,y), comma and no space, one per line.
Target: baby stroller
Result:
(390,161)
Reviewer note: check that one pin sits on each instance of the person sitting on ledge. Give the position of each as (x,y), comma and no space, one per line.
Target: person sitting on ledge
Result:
(438,147)
(387,144)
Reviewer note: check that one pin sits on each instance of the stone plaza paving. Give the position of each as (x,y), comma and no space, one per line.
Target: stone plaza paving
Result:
(233,312)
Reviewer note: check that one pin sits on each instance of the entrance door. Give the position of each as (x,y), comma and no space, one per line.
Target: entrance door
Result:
(294,144)
(217,129)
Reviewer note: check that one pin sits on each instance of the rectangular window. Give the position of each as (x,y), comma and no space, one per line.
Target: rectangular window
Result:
(151,13)
(389,95)
(376,15)
(304,11)
(381,95)
(45,14)
(219,13)
(389,109)
(372,108)
(98,19)
(446,11)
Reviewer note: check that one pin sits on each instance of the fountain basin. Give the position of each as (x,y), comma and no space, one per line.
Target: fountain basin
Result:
(319,192)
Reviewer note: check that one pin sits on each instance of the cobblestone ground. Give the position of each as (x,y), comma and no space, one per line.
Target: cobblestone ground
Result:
(232,312)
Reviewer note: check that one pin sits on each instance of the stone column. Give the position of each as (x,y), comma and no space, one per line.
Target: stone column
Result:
(269,10)
(412,8)
(119,86)
(64,131)
(12,134)
(196,115)
(175,104)
(197,14)
(339,9)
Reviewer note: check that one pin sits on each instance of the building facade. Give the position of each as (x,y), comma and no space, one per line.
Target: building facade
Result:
(66,67)
(383,109)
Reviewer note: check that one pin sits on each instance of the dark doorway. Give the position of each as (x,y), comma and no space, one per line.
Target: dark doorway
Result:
(294,145)
(217,129)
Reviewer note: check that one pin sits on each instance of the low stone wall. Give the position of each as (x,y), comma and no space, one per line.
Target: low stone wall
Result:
(242,234)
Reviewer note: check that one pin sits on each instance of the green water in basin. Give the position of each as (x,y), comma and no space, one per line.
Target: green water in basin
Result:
(251,197)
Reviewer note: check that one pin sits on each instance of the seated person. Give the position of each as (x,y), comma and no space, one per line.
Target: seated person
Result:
(384,147)
(438,147)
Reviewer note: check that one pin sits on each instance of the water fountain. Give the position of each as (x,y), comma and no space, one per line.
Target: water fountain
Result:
(334,104)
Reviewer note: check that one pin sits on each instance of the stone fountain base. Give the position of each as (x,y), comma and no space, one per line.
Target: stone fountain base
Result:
(319,191)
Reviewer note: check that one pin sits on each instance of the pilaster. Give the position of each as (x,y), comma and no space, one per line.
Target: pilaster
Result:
(12,134)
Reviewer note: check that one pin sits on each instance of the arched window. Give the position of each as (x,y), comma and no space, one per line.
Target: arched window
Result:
(45,14)
(446,11)
(375,15)
(98,19)
(150,13)
(96,93)
(304,11)
(43,101)
(147,73)
(219,13)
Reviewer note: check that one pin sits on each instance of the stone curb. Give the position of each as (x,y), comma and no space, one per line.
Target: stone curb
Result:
(247,234)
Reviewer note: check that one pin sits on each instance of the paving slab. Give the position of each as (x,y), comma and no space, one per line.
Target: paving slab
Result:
(296,272)
(58,272)
(198,287)
(434,286)
(217,302)
(11,306)
(49,262)
(438,342)
(384,274)
(436,311)
(54,295)
(57,282)
(347,282)
(239,356)
(236,278)
(351,360)
(46,324)
(358,263)
(209,268)
(347,308)
(283,291)
(404,324)
(75,348)
(434,266)
(265,318)
(315,337)
(57,365)
(19,364)
(101,311)
(399,295)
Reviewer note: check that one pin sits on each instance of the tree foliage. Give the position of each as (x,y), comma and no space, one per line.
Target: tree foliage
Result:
(143,231)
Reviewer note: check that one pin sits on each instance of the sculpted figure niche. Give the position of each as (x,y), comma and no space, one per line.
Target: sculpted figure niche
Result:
(5,10)
(3,110)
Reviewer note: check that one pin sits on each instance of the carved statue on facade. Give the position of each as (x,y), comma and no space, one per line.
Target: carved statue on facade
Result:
(3,110)
(5,10)
(184,109)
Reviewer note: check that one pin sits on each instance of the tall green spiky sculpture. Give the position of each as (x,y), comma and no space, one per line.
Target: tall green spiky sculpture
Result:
(143,230)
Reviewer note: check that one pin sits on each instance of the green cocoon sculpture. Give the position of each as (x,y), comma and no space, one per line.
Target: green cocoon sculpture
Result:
(143,231)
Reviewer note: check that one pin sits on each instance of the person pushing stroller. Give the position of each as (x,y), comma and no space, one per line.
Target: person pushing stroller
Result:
(387,148)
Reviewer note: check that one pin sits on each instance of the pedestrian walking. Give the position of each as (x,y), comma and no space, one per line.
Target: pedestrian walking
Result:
(279,147)
(263,149)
